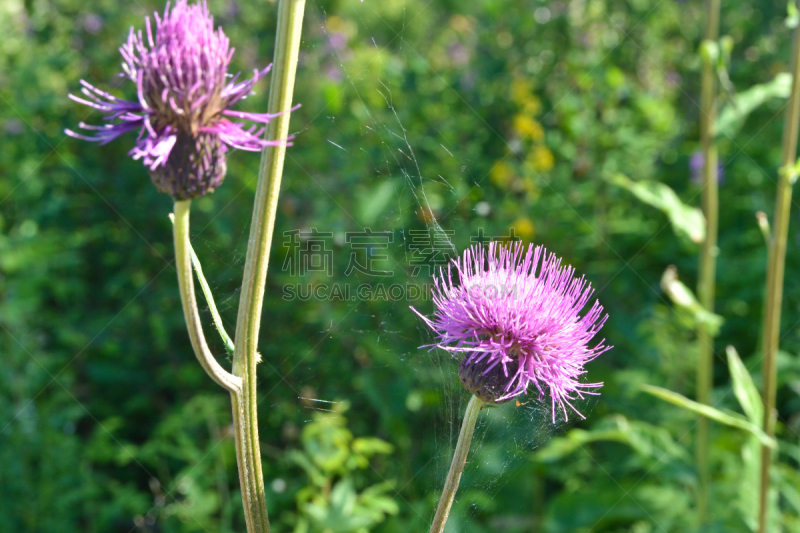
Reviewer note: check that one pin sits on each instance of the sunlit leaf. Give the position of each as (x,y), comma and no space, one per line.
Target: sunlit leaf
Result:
(685,300)
(792,16)
(375,201)
(374,500)
(723,417)
(733,116)
(744,388)
(645,439)
(371,445)
(687,221)
(749,482)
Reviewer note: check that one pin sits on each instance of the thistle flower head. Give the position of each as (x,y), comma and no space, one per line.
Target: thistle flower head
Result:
(184,96)
(514,315)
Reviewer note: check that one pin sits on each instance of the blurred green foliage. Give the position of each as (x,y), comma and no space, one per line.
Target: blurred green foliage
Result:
(488,114)
(330,458)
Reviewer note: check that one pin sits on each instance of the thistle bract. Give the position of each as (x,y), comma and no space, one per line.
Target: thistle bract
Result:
(182,112)
(514,316)
(485,382)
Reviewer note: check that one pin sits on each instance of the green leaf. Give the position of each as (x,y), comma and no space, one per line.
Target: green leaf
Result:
(749,482)
(733,116)
(375,502)
(789,481)
(316,476)
(369,446)
(792,16)
(643,438)
(375,201)
(686,301)
(686,221)
(709,51)
(723,417)
(343,497)
(744,388)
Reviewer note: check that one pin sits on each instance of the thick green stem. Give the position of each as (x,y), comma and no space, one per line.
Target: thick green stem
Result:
(708,256)
(457,466)
(186,284)
(775,271)
(245,358)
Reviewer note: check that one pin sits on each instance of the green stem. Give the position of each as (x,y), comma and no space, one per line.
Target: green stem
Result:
(245,357)
(775,272)
(457,466)
(708,255)
(183,262)
(212,306)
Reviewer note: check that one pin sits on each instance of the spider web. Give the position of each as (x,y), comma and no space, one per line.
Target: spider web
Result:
(386,150)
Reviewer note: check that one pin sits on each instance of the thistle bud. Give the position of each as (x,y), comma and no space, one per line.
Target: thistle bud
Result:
(195,167)
(182,113)
(490,386)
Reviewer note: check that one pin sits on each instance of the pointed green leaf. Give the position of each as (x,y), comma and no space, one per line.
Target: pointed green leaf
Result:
(369,446)
(723,417)
(733,116)
(687,221)
(645,439)
(744,388)
(685,300)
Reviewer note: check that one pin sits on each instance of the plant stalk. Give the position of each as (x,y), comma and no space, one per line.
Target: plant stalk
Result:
(245,357)
(183,262)
(775,272)
(708,255)
(457,466)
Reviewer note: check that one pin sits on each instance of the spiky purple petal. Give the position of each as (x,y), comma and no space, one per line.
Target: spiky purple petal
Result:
(180,69)
(514,314)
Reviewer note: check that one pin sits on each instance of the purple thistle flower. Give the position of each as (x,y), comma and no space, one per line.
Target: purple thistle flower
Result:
(182,113)
(514,315)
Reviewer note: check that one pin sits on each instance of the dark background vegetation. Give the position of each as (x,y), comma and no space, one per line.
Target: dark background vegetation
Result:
(487,114)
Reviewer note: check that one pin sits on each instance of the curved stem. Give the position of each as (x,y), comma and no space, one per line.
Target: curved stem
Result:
(708,256)
(457,466)
(245,357)
(775,271)
(212,306)
(183,262)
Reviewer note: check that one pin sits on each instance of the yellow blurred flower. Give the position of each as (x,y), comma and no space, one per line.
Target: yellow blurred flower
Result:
(335,24)
(528,128)
(523,227)
(461,23)
(501,174)
(529,186)
(532,105)
(521,90)
(541,159)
